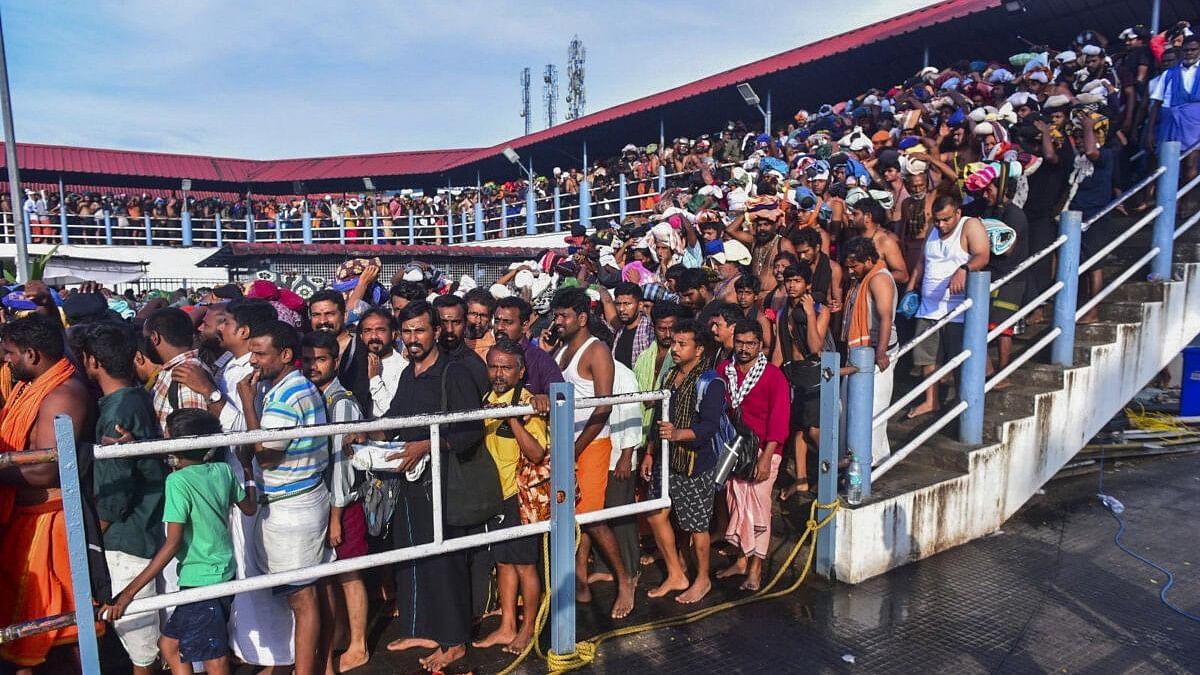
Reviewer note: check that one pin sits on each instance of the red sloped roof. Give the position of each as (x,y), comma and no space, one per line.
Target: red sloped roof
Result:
(365,250)
(162,165)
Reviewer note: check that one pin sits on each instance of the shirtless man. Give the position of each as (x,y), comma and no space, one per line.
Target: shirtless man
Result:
(30,496)
(764,216)
(587,363)
(869,218)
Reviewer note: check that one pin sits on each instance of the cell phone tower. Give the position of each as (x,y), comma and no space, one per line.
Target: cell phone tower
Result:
(576,98)
(525,111)
(550,93)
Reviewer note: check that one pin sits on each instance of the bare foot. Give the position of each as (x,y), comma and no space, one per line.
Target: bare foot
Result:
(352,658)
(920,411)
(500,636)
(443,657)
(696,592)
(752,583)
(520,642)
(668,585)
(801,485)
(646,559)
(583,593)
(597,577)
(624,604)
(410,643)
(737,569)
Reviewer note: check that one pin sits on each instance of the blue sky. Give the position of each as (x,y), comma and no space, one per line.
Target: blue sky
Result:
(268,80)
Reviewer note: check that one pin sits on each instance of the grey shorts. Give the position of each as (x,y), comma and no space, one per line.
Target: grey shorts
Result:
(935,349)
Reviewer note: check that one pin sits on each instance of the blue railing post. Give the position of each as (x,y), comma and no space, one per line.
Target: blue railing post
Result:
(860,401)
(622,194)
(374,226)
(251,235)
(149,232)
(217,226)
(342,228)
(974,369)
(831,402)
(585,195)
(28,227)
(1164,225)
(1062,351)
(503,220)
(479,233)
(77,546)
(185,226)
(557,209)
(412,228)
(562,518)
(63,230)
(278,227)
(463,218)
(531,203)
(662,178)
(108,241)
(306,226)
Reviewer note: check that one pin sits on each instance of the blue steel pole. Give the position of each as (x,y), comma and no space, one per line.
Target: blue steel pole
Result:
(503,220)
(1164,225)
(412,228)
(1155,15)
(557,209)
(62,213)
(974,369)
(149,235)
(530,204)
(831,401)
(1062,351)
(479,234)
(77,546)
(108,229)
(860,400)
(217,227)
(306,226)
(28,227)
(585,197)
(662,178)
(185,224)
(622,194)
(342,228)
(278,227)
(562,519)
(374,226)
(463,217)
(251,235)
(767,118)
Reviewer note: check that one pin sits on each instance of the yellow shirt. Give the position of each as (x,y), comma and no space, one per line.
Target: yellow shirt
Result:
(502,445)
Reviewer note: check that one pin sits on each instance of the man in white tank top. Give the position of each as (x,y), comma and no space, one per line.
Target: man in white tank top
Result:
(955,245)
(587,363)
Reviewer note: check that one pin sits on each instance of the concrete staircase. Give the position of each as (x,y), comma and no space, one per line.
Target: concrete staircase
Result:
(946,493)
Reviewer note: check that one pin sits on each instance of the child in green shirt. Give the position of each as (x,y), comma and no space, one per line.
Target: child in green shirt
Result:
(197,498)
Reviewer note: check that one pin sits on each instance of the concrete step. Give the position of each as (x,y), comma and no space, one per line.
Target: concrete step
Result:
(1121,312)
(942,452)
(1138,291)
(907,477)
(1038,375)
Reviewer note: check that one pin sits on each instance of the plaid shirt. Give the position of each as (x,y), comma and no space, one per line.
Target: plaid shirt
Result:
(642,337)
(185,398)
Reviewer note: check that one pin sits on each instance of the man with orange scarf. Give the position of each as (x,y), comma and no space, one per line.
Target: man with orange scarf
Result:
(34,572)
(869,321)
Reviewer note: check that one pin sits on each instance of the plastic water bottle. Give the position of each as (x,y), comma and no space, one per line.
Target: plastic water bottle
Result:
(854,493)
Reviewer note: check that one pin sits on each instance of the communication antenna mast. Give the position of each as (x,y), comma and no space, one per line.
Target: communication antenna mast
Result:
(525,111)
(550,93)
(576,98)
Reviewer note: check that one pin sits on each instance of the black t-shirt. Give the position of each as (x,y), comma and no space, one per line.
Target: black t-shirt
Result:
(623,349)
(1014,217)
(1048,185)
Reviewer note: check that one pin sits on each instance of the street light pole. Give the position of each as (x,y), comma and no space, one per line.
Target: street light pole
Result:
(14,174)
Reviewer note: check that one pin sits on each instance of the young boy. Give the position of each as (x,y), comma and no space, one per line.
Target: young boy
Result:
(198,495)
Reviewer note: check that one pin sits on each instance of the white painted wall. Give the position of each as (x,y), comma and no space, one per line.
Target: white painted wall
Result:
(160,261)
(880,536)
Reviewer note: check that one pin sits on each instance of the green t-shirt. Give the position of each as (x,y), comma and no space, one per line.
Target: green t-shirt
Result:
(199,496)
(129,491)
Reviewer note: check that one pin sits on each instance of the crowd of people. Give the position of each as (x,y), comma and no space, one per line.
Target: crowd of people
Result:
(854,225)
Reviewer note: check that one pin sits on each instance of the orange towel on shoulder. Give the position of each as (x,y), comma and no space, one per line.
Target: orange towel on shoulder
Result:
(860,318)
(19,414)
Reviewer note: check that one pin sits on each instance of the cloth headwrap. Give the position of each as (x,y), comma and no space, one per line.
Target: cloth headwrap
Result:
(766,206)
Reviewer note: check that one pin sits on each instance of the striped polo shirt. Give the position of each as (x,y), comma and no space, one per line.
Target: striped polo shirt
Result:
(292,402)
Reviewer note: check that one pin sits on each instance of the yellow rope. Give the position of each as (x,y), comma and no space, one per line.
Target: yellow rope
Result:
(585,651)
(1155,421)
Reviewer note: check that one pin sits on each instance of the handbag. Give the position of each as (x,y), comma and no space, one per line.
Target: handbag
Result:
(804,376)
(747,457)
(473,493)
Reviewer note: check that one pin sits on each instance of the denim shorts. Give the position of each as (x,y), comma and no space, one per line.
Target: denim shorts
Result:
(201,628)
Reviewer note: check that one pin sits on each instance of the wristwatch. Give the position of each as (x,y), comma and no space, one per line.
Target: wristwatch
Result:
(215,397)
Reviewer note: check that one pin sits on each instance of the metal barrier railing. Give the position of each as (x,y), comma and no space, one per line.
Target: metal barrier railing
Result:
(973,384)
(561,525)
